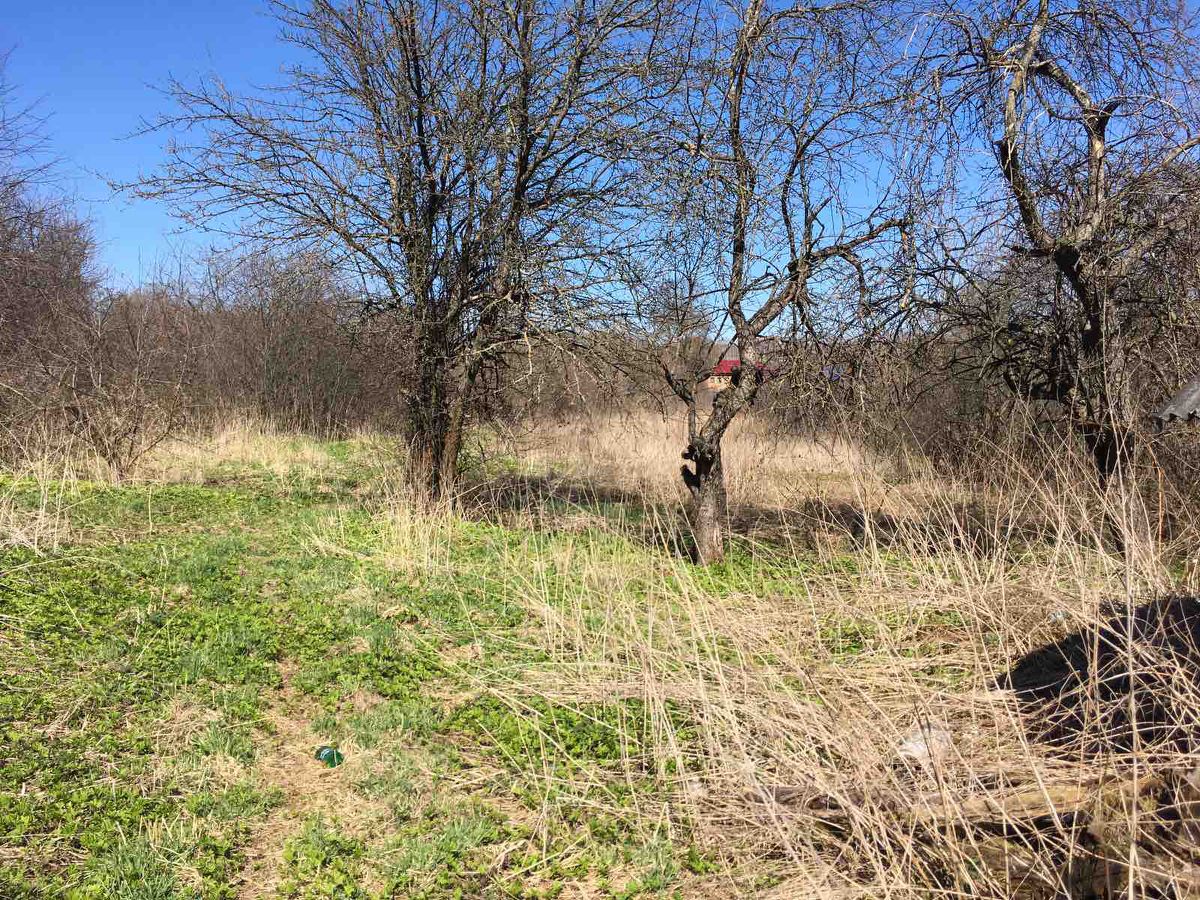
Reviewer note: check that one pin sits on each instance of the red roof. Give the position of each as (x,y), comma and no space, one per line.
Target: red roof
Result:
(729,366)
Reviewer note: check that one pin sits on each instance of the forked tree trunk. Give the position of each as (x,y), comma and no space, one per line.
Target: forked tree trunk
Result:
(427,458)
(437,420)
(709,507)
(436,444)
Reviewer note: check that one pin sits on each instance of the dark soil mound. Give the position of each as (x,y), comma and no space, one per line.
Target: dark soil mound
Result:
(1133,682)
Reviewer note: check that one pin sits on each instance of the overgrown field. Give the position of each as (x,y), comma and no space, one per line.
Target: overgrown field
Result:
(535,693)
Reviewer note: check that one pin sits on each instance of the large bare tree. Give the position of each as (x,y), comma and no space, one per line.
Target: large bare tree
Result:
(784,213)
(467,160)
(1090,115)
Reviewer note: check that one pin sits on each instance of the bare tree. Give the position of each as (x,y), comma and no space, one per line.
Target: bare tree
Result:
(775,221)
(81,366)
(464,160)
(1090,111)
(123,371)
(40,243)
(23,160)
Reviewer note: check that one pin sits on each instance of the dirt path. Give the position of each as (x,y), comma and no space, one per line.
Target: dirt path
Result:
(309,788)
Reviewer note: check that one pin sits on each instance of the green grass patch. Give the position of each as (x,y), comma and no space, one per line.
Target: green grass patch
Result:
(145,658)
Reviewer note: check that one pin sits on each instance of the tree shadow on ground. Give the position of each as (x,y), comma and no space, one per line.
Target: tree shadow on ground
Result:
(571,503)
(577,503)
(968,526)
(1130,683)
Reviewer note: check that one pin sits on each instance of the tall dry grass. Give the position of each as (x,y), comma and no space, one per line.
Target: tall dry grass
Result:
(640,453)
(236,438)
(39,484)
(852,675)
(34,501)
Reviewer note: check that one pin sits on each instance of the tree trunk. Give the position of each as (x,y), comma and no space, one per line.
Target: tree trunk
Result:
(1109,442)
(1111,449)
(429,425)
(427,460)
(708,509)
(452,444)
(437,420)
(456,416)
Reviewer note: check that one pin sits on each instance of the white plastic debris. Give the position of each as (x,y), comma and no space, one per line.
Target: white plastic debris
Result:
(926,746)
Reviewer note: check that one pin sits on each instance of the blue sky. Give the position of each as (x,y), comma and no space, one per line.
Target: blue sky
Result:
(93,68)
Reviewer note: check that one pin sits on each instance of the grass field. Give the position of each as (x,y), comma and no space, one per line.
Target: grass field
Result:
(536,695)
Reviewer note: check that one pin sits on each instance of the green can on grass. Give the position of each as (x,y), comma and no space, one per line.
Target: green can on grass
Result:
(331,756)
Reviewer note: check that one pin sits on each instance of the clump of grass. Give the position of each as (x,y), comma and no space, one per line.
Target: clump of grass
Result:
(321,862)
(236,440)
(33,504)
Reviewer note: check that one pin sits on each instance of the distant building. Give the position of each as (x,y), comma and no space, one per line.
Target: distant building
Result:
(725,371)
(1184,407)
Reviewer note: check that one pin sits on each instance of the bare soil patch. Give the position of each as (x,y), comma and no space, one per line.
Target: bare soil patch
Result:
(308,786)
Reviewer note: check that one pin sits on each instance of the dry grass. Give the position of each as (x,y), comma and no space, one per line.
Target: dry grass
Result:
(830,707)
(237,439)
(33,503)
(640,453)
(36,495)
(855,730)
